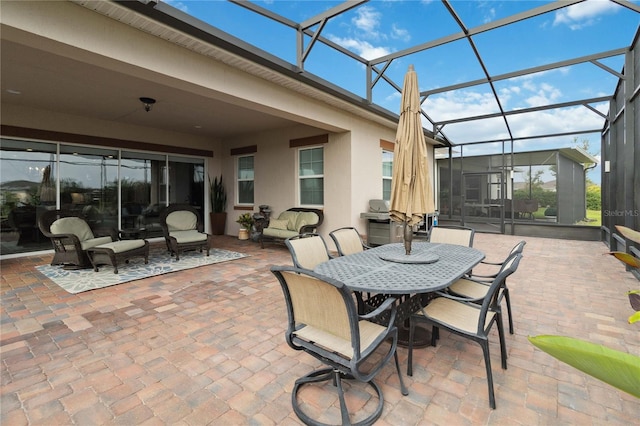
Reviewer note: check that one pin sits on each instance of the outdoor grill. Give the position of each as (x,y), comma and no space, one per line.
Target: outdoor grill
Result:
(380,229)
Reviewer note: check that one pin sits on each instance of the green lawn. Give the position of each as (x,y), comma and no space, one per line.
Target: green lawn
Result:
(593,217)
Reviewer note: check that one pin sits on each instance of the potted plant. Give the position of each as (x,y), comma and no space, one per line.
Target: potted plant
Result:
(246,222)
(218,199)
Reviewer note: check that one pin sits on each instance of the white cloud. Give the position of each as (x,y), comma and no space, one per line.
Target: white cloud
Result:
(367,19)
(400,33)
(583,14)
(361,47)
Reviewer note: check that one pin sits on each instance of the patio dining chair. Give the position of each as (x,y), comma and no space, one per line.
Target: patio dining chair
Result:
(348,241)
(468,318)
(477,285)
(323,322)
(307,250)
(450,234)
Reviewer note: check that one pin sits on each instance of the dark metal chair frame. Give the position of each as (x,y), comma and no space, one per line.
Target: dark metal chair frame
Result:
(68,247)
(504,293)
(173,246)
(490,304)
(340,367)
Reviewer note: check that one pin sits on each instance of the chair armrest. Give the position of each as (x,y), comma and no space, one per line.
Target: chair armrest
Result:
(481,278)
(261,223)
(389,302)
(485,262)
(308,229)
(107,232)
(59,243)
(459,298)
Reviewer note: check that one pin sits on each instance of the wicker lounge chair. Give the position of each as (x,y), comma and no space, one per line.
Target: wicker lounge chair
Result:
(183,229)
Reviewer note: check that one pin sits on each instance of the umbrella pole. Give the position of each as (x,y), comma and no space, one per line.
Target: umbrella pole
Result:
(408,237)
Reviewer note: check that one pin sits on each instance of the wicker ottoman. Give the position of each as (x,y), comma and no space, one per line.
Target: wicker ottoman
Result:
(118,251)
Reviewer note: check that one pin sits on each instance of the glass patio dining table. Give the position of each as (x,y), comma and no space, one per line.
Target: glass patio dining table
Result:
(386,270)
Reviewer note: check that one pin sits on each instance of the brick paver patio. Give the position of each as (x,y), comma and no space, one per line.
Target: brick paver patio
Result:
(206,346)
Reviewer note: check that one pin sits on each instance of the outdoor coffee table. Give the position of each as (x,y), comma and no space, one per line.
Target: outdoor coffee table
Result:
(117,252)
(386,270)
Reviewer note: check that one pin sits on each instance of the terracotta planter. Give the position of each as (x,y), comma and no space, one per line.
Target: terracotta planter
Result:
(243,234)
(218,223)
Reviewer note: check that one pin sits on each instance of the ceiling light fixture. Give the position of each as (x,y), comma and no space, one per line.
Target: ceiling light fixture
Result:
(148,102)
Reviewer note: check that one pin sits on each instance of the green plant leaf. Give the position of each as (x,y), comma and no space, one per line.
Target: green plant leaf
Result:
(629,233)
(634,299)
(616,368)
(634,318)
(627,258)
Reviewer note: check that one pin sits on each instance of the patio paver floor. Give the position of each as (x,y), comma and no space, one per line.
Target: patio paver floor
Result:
(206,346)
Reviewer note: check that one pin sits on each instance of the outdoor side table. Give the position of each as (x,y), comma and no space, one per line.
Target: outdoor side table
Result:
(117,252)
(133,233)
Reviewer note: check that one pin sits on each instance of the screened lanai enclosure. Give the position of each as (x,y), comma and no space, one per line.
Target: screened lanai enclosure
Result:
(496,192)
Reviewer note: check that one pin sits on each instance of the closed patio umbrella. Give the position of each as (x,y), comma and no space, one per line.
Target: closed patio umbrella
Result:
(411,190)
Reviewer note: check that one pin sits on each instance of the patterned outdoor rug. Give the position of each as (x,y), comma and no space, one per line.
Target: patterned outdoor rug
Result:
(77,281)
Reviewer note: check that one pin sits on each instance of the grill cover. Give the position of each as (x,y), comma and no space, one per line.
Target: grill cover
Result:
(379,206)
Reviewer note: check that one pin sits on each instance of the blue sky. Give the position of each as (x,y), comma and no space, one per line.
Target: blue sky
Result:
(381,27)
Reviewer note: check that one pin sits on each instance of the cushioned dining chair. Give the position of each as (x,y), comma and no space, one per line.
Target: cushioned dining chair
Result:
(71,236)
(451,234)
(348,241)
(477,285)
(467,318)
(183,229)
(323,322)
(307,250)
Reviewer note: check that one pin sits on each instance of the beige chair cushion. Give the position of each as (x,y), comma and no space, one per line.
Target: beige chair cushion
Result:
(305,218)
(278,224)
(310,252)
(349,241)
(122,246)
(72,225)
(181,220)
(191,236)
(368,333)
(459,237)
(459,315)
(93,242)
(327,324)
(290,217)
(469,288)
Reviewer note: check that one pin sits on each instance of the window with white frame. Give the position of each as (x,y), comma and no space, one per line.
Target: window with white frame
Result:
(311,176)
(244,180)
(387,171)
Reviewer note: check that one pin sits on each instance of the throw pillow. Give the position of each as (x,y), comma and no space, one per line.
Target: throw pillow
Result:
(278,224)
